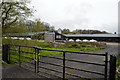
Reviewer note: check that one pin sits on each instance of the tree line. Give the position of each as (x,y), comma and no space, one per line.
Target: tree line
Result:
(80,31)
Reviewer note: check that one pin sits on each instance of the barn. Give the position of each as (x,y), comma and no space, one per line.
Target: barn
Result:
(98,37)
(54,37)
(58,37)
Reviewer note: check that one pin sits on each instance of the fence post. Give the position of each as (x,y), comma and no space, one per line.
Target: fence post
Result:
(36,60)
(106,65)
(63,65)
(112,70)
(19,56)
(9,54)
(6,53)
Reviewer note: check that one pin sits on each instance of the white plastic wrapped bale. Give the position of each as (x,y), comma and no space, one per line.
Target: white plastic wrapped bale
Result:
(71,40)
(78,40)
(12,37)
(85,40)
(15,38)
(28,38)
(93,40)
(21,38)
(5,37)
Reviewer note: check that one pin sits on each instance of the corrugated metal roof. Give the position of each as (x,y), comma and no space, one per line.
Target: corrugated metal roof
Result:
(91,35)
(25,34)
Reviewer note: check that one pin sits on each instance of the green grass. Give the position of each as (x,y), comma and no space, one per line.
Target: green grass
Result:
(46,45)
(26,42)
(78,49)
(46,53)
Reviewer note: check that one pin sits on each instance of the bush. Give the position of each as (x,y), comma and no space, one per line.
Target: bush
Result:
(73,45)
(83,45)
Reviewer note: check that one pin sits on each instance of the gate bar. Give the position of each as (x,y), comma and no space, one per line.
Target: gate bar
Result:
(19,56)
(63,65)
(35,59)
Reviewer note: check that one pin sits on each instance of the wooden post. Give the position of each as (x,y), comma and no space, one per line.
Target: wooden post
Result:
(5,53)
(112,71)
(36,60)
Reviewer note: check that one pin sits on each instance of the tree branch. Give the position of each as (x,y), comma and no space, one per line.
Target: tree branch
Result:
(6,15)
(13,21)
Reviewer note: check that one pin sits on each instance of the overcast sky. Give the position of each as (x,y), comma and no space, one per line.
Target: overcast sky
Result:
(78,14)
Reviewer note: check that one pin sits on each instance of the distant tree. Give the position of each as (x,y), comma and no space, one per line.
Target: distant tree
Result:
(59,30)
(29,24)
(37,26)
(51,28)
(13,12)
(79,31)
(18,28)
(47,26)
(65,31)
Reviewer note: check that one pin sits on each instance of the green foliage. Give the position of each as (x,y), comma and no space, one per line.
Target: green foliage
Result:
(37,26)
(38,36)
(27,43)
(14,12)
(83,45)
(45,45)
(79,31)
(77,45)
(18,29)
(118,62)
(73,45)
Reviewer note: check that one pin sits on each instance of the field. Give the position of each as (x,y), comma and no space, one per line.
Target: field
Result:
(69,46)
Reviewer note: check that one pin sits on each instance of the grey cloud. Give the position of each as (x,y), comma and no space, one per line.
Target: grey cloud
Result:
(78,14)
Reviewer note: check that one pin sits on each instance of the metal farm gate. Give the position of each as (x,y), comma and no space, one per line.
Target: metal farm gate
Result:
(64,66)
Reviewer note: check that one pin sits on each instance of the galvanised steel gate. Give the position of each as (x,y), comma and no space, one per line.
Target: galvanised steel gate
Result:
(33,58)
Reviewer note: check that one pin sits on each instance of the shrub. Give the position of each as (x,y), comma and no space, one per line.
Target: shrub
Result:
(83,45)
(73,45)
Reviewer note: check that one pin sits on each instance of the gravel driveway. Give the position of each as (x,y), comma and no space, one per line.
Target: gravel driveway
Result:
(112,48)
